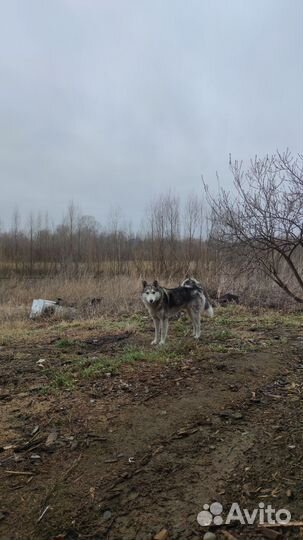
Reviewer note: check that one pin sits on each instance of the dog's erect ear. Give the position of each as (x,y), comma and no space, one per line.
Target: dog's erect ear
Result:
(144,283)
(155,283)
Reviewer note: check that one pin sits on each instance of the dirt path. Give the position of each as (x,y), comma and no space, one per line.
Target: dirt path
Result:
(131,453)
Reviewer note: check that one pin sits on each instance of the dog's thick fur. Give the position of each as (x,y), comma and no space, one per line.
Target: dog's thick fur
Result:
(192,282)
(163,303)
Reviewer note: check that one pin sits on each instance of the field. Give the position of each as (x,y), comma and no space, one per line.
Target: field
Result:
(103,436)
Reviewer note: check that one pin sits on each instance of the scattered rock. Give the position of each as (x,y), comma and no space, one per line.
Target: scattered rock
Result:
(209,536)
(51,439)
(107,514)
(74,445)
(162,535)
(40,362)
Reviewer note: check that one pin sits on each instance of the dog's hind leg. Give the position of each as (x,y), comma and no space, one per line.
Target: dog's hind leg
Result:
(157,332)
(195,317)
(164,328)
(193,320)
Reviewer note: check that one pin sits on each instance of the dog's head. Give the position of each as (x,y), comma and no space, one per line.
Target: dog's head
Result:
(151,292)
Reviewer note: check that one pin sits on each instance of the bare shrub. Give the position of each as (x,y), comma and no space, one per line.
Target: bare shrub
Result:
(262,226)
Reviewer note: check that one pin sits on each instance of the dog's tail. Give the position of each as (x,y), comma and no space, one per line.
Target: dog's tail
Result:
(208,308)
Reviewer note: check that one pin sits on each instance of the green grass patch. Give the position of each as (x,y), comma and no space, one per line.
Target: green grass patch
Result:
(63,380)
(233,330)
(218,347)
(222,335)
(99,367)
(89,369)
(79,369)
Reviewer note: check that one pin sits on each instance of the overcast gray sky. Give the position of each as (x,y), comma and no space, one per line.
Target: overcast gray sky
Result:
(111,102)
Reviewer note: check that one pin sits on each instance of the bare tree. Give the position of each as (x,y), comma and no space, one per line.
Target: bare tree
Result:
(163,216)
(194,227)
(16,237)
(31,241)
(263,221)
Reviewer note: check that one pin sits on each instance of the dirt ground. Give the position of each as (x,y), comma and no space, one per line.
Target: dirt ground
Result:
(103,436)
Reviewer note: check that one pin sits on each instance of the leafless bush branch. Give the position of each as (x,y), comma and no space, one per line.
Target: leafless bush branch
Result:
(262,224)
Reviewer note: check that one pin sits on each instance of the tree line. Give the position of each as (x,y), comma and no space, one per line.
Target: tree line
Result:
(255,229)
(171,236)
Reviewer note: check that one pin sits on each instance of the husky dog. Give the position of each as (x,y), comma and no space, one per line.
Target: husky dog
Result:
(163,303)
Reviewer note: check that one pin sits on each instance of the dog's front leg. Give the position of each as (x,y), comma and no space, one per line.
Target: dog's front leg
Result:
(157,332)
(164,328)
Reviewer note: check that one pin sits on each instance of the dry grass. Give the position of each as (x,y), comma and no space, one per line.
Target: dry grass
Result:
(121,294)
(117,295)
